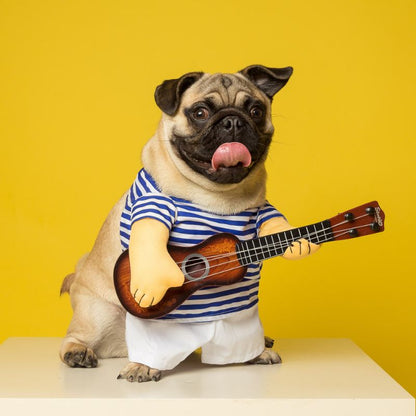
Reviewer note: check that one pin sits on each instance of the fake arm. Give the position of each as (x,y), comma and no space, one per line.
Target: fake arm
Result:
(298,249)
(153,271)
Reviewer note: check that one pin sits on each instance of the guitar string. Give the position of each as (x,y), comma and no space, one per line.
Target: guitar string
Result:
(274,244)
(339,233)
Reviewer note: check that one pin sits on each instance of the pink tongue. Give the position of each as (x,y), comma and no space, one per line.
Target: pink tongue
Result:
(231,154)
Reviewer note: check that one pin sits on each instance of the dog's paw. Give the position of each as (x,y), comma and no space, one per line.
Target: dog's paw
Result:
(78,355)
(268,342)
(139,372)
(268,356)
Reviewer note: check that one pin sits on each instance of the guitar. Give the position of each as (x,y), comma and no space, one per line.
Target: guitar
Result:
(222,259)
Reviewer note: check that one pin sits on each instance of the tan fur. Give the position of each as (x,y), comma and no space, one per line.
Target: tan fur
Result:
(67,283)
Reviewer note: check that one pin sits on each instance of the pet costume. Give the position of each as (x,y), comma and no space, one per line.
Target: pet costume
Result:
(189,225)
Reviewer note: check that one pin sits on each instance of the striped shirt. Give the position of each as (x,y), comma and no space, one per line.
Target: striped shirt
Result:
(190,224)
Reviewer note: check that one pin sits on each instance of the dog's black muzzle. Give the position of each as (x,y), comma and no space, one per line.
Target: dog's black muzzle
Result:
(227,125)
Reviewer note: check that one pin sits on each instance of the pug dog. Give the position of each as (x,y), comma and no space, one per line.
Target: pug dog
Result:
(203,173)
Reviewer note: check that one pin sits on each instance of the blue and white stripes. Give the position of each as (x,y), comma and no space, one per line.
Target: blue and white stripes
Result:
(189,224)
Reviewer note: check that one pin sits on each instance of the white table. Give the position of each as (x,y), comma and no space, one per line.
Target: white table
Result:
(325,377)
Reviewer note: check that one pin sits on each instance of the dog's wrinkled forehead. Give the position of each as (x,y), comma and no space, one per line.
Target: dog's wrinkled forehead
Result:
(223,90)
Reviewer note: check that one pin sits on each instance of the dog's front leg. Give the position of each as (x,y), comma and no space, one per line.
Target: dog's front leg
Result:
(268,356)
(139,372)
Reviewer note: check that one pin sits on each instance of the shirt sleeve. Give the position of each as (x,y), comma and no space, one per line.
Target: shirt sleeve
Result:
(267,212)
(157,207)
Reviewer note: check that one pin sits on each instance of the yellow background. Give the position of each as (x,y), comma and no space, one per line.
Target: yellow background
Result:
(76,106)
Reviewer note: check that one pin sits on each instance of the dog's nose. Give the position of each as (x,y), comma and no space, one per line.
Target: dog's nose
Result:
(231,123)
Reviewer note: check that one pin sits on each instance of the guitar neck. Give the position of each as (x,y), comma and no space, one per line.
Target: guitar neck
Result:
(363,220)
(263,248)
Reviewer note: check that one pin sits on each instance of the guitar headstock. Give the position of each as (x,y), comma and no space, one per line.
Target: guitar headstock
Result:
(357,222)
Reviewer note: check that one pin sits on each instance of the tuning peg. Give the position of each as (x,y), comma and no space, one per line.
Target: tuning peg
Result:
(353,232)
(370,211)
(375,226)
(349,216)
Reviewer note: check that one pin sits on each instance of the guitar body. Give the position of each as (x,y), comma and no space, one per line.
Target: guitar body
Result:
(214,262)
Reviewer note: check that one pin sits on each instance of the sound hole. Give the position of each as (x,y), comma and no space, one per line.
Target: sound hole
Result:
(195,267)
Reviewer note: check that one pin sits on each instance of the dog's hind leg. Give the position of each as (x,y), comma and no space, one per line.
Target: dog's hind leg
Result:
(97,327)
(268,342)
(96,331)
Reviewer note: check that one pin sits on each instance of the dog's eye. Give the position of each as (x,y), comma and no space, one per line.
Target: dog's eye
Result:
(200,114)
(256,112)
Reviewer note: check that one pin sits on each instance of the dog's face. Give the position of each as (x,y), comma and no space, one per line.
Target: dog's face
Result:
(220,125)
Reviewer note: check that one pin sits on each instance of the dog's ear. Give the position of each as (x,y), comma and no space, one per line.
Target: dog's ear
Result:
(168,94)
(268,80)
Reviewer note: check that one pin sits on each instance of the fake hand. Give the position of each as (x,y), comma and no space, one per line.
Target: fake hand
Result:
(152,269)
(300,249)
(148,285)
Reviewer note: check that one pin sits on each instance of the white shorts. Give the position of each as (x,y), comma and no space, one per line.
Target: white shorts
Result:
(163,345)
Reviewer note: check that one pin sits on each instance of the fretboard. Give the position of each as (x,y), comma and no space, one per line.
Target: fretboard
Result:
(262,248)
